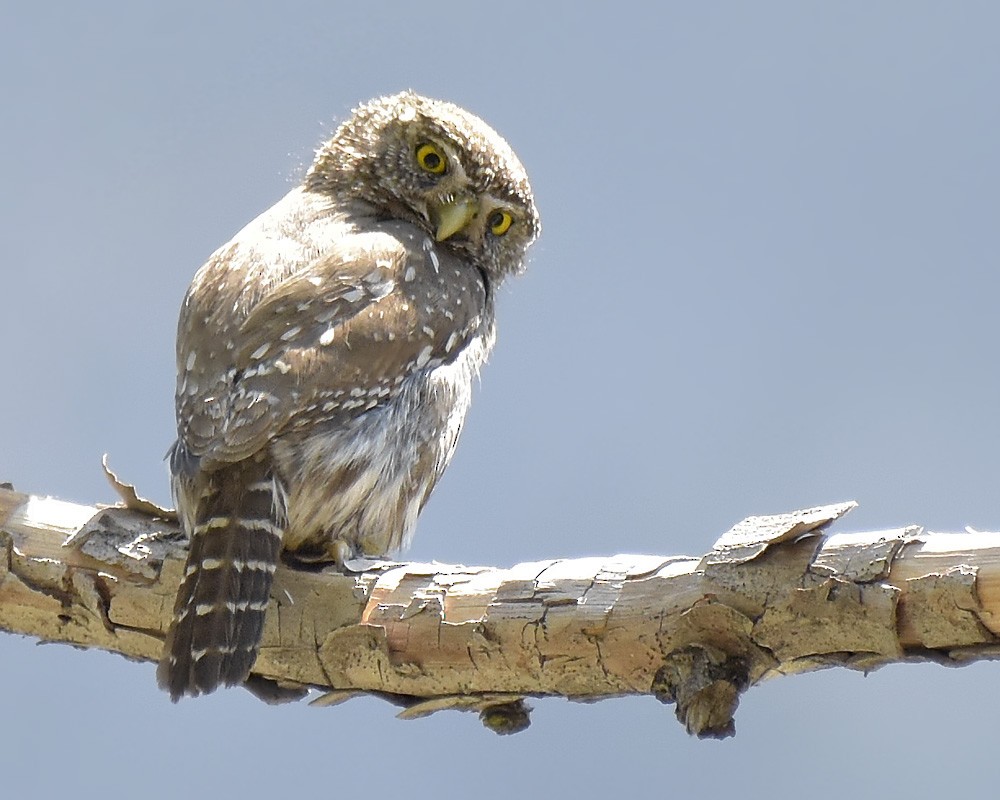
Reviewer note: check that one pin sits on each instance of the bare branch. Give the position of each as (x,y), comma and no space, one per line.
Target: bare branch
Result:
(775,596)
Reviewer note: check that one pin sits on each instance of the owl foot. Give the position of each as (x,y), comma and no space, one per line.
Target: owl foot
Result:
(340,552)
(336,552)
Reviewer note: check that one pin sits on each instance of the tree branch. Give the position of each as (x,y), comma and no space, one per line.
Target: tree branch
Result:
(776,595)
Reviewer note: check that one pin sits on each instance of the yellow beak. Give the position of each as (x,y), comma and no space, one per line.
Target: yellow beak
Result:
(450,218)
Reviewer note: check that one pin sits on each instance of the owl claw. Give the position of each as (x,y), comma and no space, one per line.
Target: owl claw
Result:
(340,552)
(336,551)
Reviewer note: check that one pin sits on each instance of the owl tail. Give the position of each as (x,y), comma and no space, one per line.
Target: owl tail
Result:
(219,611)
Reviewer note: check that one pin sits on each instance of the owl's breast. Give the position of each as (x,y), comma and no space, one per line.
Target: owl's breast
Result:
(364,480)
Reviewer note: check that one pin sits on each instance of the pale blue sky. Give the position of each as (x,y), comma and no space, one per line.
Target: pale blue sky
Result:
(767,280)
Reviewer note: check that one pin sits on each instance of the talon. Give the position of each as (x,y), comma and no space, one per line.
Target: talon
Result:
(340,552)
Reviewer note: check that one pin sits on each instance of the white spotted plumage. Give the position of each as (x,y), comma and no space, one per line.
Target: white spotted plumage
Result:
(326,357)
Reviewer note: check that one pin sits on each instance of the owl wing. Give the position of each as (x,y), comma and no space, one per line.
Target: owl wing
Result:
(330,342)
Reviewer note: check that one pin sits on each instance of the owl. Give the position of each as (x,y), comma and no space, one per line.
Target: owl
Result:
(325,358)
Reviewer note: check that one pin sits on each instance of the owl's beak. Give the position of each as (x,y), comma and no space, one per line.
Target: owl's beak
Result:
(449,218)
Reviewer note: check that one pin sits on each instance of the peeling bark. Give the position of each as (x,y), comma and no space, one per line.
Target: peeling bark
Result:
(776,595)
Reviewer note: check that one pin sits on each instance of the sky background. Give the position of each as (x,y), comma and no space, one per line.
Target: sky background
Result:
(767,280)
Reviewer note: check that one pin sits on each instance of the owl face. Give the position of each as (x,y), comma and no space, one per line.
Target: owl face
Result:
(435,165)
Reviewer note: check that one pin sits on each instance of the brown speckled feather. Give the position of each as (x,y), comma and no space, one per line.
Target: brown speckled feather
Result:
(325,361)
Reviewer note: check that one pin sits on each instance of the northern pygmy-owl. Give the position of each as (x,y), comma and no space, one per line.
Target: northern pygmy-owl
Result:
(325,361)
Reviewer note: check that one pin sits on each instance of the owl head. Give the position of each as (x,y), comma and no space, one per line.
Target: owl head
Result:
(438,166)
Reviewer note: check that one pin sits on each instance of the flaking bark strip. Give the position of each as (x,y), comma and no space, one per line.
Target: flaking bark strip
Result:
(857,558)
(750,538)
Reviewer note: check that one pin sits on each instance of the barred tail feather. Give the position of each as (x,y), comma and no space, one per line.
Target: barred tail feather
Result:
(220,606)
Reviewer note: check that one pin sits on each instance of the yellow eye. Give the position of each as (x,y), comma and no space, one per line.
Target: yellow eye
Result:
(499,222)
(430,158)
